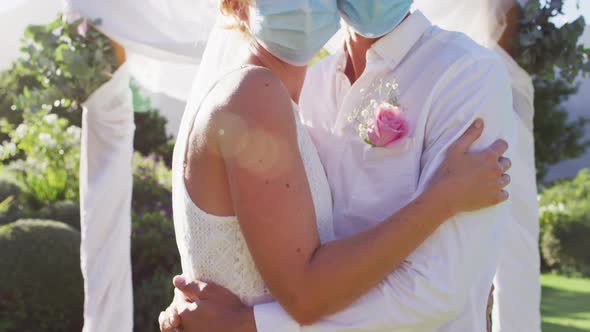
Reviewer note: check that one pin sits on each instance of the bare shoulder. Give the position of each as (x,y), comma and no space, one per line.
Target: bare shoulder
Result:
(256,94)
(250,101)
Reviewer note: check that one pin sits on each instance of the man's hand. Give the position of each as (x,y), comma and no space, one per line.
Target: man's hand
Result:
(169,319)
(205,307)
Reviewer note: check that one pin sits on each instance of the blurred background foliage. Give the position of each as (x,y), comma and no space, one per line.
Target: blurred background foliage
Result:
(554,58)
(41,100)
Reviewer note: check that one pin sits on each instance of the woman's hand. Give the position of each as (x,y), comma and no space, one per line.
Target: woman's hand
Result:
(470,181)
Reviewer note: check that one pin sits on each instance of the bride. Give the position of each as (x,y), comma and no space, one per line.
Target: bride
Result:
(252,205)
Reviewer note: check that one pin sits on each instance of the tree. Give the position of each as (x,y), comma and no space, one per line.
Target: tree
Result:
(554,59)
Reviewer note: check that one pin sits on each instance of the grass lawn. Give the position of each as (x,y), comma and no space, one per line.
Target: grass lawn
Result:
(566,304)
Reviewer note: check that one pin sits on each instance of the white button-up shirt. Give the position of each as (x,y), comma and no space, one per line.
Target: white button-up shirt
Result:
(446,81)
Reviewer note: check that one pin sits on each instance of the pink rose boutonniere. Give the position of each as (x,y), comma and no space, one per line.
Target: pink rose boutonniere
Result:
(388,127)
(382,123)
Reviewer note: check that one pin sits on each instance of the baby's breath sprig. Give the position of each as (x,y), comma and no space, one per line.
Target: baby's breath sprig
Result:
(378,93)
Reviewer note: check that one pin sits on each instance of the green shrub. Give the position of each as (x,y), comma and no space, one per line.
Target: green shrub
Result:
(10,83)
(67,212)
(565,225)
(151,296)
(48,171)
(155,261)
(9,193)
(12,206)
(15,205)
(59,68)
(150,132)
(152,185)
(575,191)
(153,246)
(8,188)
(9,211)
(566,247)
(41,283)
(166,151)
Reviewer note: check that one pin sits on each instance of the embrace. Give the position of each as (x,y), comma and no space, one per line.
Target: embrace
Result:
(367,193)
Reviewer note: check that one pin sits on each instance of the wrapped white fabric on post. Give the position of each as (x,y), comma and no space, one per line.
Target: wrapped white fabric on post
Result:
(105,204)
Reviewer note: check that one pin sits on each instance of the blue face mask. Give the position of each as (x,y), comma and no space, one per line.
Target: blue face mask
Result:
(294,30)
(374,18)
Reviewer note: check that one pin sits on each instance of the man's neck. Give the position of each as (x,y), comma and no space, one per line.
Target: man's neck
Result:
(356,48)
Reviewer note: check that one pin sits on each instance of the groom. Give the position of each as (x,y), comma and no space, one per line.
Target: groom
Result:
(444,82)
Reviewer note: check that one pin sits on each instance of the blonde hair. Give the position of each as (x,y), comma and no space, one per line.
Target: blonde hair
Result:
(236,9)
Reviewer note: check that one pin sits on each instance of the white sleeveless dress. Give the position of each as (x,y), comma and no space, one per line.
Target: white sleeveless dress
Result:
(212,248)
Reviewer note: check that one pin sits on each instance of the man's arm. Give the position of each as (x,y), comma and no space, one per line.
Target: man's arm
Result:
(432,287)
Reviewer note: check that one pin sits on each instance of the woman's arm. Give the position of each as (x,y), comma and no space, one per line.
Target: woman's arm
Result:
(273,204)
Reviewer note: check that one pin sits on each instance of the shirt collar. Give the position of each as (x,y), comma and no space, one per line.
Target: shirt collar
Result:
(394,46)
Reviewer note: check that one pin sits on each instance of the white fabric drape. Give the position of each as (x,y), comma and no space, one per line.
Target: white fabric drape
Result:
(105,203)
(518,285)
(173,31)
(164,42)
(482,20)
(11,4)
(518,290)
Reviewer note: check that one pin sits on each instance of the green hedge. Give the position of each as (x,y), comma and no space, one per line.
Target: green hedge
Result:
(67,212)
(152,185)
(565,225)
(151,297)
(155,261)
(41,284)
(9,196)
(153,246)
